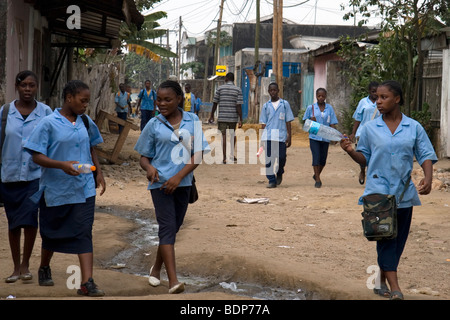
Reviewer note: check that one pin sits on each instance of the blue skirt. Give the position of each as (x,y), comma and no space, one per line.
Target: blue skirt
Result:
(67,228)
(20,210)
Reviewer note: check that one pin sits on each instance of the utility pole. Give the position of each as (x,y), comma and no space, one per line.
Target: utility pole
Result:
(277,43)
(179,50)
(216,51)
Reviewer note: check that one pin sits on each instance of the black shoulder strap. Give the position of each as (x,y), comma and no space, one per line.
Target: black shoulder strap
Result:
(3,134)
(85,120)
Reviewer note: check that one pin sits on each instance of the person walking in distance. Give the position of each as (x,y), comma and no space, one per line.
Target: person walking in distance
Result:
(365,111)
(146,103)
(276,117)
(322,113)
(229,99)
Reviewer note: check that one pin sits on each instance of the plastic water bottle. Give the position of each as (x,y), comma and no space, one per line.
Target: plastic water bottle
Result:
(322,131)
(260,151)
(84,167)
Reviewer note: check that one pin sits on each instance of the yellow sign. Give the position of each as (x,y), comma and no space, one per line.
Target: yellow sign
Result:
(221,71)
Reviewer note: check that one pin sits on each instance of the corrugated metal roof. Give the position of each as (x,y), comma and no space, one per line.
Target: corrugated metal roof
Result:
(100,20)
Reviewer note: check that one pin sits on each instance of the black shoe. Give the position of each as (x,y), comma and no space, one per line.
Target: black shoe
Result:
(279,179)
(90,289)
(272,185)
(45,276)
(318,184)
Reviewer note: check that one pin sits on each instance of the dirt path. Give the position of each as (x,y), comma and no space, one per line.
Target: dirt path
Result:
(303,238)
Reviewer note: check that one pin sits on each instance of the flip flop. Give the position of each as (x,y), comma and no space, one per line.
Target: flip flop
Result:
(396,295)
(382,291)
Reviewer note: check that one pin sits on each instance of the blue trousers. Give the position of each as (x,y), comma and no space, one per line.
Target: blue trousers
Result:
(146,115)
(123,116)
(275,152)
(390,251)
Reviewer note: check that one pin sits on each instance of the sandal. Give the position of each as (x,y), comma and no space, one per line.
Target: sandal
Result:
(396,295)
(382,291)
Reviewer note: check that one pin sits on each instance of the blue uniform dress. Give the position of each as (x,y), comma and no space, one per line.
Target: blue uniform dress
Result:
(389,160)
(169,156)
(20,175)
(365,111)
(318,145)
(275,135)
(148,99)
(66,202)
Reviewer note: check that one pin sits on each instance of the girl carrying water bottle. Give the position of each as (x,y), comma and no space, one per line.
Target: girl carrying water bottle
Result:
(322,113)
(67,198)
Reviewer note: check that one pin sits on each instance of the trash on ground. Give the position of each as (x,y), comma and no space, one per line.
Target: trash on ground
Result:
(254,200)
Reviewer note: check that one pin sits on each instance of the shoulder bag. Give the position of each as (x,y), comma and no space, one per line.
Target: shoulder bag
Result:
(193,196)
(379,218)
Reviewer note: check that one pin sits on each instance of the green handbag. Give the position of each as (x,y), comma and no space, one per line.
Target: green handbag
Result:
(379,218)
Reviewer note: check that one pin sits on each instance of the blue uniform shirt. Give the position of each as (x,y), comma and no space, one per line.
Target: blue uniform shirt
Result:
(122,98)
(59,139)
(17,163)
(365,111)
(147,99)
(166,152)
(390,157)
(275,120)
(327,117)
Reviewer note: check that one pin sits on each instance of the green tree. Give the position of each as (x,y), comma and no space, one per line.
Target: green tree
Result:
(399,54)
(131,35)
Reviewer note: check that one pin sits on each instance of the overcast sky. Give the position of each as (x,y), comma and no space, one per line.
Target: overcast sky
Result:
(199,16)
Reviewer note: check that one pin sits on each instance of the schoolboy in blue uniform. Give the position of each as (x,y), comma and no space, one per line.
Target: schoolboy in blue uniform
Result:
(146,103)
(67,198)
(276,116)
(123,102)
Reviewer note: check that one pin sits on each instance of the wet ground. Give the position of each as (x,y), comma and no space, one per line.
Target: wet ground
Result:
(144,241)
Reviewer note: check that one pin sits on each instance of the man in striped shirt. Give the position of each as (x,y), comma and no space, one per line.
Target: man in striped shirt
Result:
(230,100)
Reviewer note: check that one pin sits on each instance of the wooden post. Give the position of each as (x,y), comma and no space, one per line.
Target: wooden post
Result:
(279,73)
(114,156)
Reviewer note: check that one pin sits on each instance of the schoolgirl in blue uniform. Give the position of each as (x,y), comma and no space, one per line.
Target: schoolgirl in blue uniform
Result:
(388,145)
(169,166)
(19,174)
(67,198)
(323,113)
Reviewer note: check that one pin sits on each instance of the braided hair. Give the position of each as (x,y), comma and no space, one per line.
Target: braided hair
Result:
(74,87)
(175,86)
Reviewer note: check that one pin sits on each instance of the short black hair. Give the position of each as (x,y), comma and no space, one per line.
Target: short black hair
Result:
(22,75)
(230,76)
(321,89)
(175,86)
(273,84)
(73,87)
(373,84)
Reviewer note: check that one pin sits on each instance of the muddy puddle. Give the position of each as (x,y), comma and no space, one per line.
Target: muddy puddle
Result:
(144,241)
